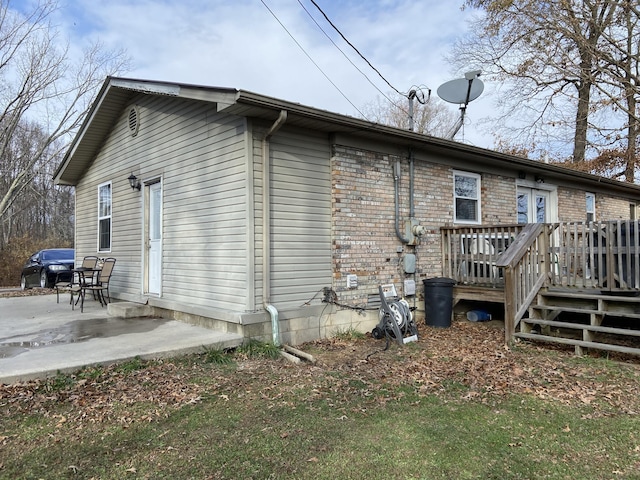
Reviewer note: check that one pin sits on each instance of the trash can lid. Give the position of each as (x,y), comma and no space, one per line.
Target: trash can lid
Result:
(439,281)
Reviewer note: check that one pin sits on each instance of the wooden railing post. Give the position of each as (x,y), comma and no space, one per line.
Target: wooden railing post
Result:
(524,275)
(510,303)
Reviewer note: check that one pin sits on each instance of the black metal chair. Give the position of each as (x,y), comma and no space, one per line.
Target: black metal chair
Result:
(100,284)
(87,262)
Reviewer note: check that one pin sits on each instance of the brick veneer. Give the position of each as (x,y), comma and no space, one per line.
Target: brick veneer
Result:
(364,235)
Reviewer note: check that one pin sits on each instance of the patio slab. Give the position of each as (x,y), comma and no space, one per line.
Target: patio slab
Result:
(39,337)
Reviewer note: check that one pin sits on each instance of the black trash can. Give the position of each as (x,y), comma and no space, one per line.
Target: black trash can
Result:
(438,301)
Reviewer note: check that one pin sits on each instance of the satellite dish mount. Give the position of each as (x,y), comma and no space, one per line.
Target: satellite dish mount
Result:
(461,91)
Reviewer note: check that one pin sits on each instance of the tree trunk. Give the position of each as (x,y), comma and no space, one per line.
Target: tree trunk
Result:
(582,118)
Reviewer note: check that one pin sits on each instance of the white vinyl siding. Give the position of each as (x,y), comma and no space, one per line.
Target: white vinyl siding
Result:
(300,218)
(202,159)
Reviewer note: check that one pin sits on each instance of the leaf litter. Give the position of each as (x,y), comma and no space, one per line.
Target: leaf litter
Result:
(471,356)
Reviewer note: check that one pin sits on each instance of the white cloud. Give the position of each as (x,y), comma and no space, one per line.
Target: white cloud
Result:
(240,44)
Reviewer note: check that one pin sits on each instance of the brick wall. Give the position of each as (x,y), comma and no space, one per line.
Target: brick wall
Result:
(498,200)
(364,233)
(364,240)
(612,208)
(572,206)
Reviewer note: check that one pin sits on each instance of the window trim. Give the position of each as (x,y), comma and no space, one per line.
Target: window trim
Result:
(109,216)
(593,212)
(478,199)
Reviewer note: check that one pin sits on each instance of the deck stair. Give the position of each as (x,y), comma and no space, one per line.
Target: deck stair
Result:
(586,320)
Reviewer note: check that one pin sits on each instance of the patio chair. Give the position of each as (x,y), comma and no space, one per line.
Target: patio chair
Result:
(87,262)
(101,283)
(481,256)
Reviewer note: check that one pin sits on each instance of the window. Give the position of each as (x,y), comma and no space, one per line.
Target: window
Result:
(104,217)
(533,205)
(466,197)
(591,207)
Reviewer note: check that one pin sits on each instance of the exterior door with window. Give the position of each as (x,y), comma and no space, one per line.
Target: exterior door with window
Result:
(535,206)
(153,274)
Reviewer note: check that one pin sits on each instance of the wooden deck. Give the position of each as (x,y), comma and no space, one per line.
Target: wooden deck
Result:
(477,294)
(567,283)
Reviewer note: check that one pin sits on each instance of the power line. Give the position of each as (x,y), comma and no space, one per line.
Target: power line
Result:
(311,59)
(356,50)
(346,56)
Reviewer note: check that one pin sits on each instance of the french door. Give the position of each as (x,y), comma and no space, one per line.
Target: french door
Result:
(535,206)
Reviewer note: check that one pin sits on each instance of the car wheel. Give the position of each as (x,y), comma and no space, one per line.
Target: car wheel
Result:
(23,282)
(44,281)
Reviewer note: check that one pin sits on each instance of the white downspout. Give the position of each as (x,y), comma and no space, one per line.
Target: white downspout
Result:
(266,227)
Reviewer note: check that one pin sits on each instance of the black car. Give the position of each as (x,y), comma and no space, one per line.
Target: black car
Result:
(46,267)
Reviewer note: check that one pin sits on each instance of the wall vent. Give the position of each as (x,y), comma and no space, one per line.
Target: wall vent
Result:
(134,121)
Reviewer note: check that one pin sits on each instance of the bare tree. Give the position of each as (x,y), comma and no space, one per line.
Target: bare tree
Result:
(430,115)
(41,84)
(548,54)
(619,63)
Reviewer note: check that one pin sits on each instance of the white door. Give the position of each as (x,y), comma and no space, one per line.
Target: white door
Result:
(154,239)
(534,206)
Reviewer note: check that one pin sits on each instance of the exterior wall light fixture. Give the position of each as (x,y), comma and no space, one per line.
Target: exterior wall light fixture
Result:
(134,182)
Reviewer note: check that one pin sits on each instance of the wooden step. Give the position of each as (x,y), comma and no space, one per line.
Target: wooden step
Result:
(590,296)
(582,326)
(562,308)
(578,343)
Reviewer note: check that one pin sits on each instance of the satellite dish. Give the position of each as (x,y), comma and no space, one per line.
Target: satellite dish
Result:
(461,90)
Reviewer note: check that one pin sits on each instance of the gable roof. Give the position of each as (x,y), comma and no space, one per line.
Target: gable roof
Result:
(116,93)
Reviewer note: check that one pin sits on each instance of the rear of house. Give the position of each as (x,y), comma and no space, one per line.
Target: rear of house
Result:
(265,217)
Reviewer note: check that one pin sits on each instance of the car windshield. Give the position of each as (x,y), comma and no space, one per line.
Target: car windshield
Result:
(57,255)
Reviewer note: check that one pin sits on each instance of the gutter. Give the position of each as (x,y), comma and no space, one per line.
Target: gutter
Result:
(266,227)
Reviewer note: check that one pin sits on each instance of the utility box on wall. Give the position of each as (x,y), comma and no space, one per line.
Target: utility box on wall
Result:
(409,287)
(409,263)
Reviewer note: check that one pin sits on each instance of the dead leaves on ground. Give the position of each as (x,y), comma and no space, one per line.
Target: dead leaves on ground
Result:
(469,355)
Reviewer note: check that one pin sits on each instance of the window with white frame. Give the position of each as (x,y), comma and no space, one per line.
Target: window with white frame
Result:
(466,197)
(104,217)
(591,207)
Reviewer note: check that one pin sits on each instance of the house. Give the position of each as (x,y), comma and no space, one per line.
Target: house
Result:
(270,218)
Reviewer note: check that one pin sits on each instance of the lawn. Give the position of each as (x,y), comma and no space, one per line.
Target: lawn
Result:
(456,404)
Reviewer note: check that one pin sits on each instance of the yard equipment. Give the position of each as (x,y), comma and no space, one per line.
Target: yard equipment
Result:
(396,319)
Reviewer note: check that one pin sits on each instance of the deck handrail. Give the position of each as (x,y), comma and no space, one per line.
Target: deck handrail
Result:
(470,252)
(525,271)
(601,256)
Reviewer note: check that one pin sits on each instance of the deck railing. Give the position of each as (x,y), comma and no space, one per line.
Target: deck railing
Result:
(469,254)
(526,267)
(594,256)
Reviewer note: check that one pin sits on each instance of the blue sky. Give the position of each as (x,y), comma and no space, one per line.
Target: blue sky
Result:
(239,44)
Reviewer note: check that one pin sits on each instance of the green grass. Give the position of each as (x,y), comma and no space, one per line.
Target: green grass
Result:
(348,334)
(198,418)
(256,349)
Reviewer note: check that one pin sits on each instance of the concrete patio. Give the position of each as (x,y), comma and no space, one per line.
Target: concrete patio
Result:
(39,337)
